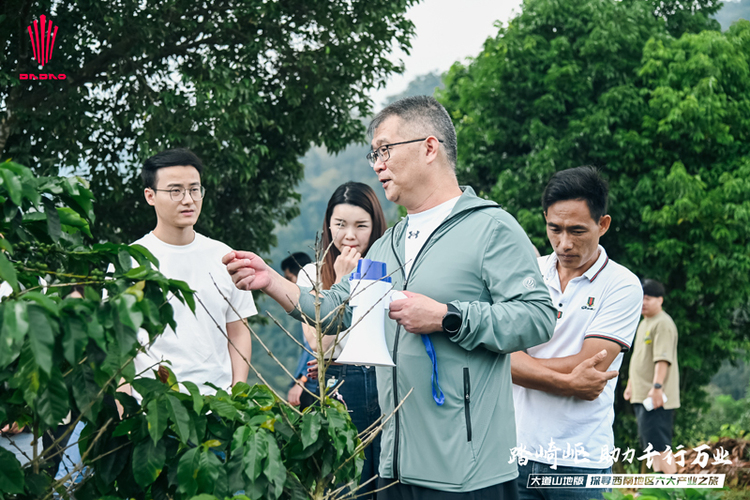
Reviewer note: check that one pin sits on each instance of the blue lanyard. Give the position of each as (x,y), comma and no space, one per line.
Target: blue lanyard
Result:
(437,392)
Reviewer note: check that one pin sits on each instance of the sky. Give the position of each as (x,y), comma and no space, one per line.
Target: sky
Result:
(446,31)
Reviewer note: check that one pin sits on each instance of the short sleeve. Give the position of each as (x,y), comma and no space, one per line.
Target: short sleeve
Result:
(664,335)
(306,276)
(244,303)
(617,320)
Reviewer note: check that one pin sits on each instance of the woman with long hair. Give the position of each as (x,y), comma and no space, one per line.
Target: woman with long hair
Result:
(354,219)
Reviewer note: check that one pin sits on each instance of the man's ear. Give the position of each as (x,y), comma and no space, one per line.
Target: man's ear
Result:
(149,194)
(604,223)
(433,148)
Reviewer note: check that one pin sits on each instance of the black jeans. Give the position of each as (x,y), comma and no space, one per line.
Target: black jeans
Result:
(360,393)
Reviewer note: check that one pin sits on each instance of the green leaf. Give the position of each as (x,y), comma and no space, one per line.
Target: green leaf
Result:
(72,222)
(148,461)
(44,301)
(262,395)
(37,485)
(11,474)
(8,272)
(41,338)
(6,246)
(187,292)
(126,427)
(12,185)
(224,409)
(52,404)
(138,273)
(86,391)
(187,471)
(196,394)
(127,313)
(256,450)
(311,425)
(54,227)
(156,416)
(146,253)
(240,388)
(275,470)
(74,338)
(149,387)
(125,260)
(180,417)
(14,330)
(209,469)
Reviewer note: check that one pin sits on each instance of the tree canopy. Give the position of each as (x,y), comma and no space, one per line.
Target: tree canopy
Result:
(604,83)
(248,85)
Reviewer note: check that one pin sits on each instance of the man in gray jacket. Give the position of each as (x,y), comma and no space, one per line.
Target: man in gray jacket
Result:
(474,292)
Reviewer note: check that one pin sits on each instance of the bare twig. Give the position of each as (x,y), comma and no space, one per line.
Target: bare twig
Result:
(255,335)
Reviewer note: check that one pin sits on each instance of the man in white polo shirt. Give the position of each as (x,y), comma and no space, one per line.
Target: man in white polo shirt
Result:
(564,424)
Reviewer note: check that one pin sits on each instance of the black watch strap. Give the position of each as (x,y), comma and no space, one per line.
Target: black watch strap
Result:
(657,386)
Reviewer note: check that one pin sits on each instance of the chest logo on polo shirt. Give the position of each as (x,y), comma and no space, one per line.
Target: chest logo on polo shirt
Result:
(413,234)
(559,314)
(589,306)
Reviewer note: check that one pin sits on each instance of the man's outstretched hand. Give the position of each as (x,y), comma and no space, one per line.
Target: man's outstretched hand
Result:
(248,271)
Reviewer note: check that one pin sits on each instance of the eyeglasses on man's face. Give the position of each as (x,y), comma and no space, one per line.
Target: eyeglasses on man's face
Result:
(383,153)
(178,193)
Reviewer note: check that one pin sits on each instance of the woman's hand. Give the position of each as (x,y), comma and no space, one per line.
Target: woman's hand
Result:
(346,262)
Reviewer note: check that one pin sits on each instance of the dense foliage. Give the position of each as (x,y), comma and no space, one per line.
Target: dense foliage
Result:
(64,354)
(248,85)
(665,118)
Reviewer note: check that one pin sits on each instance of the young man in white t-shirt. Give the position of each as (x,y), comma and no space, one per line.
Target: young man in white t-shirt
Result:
(198,351)
(564,409)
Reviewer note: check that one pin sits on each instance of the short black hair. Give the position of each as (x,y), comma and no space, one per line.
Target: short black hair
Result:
(423,115)
(653,288)
(580,183)
(168,158)
(295,262)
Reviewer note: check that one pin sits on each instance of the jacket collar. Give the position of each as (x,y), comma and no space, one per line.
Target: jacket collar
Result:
(467,201)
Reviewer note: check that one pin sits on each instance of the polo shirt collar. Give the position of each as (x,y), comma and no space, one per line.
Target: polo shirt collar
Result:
(591,273)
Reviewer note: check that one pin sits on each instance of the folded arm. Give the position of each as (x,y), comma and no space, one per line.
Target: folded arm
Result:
(583,375)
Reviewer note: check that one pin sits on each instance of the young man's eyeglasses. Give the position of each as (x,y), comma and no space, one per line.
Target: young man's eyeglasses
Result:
(384,154)
(178,194)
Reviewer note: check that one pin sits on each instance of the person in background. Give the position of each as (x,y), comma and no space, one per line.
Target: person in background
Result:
(353,220)
(563,421)
(655,374)
(197,350)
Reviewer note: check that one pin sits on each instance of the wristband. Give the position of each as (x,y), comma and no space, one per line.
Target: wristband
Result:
(657,386)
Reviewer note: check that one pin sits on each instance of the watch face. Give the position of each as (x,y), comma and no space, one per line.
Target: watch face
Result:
(452,322)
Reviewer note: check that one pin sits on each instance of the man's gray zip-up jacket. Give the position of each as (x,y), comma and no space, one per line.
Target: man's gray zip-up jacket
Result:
(481,261)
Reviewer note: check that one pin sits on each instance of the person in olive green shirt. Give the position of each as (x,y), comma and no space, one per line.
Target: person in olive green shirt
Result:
(654,376)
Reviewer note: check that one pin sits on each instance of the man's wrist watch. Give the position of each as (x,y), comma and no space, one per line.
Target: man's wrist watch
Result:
(452,320)
(657,385)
